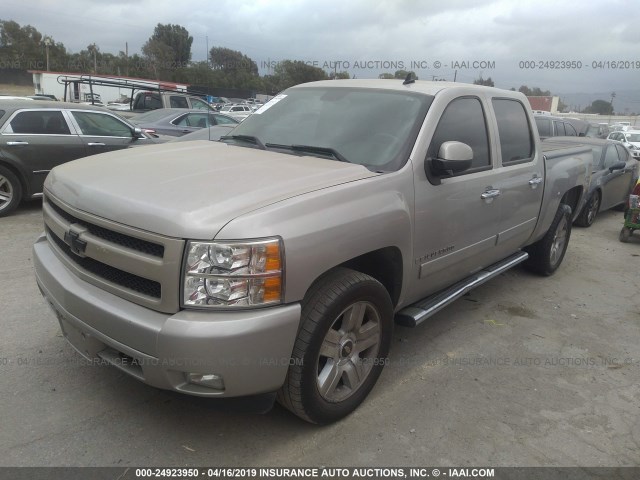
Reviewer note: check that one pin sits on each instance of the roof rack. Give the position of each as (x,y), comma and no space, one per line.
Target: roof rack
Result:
(92,81)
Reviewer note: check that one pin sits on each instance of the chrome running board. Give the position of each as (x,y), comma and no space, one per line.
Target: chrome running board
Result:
(415,314)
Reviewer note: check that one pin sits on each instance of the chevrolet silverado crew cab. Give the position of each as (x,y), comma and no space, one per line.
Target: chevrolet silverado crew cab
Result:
(276,261)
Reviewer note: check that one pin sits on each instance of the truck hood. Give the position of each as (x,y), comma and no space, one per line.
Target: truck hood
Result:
(190,189)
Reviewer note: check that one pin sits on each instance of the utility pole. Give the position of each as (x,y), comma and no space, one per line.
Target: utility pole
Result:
(455,75)
(208,64)
(47,43)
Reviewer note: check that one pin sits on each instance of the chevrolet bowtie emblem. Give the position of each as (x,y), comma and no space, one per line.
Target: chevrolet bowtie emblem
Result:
(77,246)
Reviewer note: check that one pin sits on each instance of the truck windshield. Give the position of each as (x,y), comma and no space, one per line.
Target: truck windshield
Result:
(372,127)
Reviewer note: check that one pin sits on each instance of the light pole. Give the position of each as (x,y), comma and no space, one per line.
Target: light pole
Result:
(47,43)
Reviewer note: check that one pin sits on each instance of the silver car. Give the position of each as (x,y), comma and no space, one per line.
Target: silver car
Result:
(176,122)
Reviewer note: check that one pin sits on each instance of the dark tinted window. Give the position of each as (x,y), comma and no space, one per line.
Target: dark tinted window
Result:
(178,102)
(45,122)
(569,130)
(544,127)
(514,130)
(559,129)
(463,121)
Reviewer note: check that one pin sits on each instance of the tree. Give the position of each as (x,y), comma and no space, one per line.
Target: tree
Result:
(289,73)
(402,74)
(601,107)
(177,38)
(339,76)
(481,81)
(534,92)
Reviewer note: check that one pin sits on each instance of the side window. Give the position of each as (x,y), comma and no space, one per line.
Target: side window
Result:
(182,121)
(178,102)
(623,153)
(463,121)
(570,131)
(544,127)
(559,126)
(199,104)
(101,125)
(199,120)
(224,120)
(47,122)
(611,156)
(28,122)
(514,131)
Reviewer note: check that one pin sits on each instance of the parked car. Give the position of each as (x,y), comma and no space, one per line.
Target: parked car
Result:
(237,111)
(630,139)
(550,126)
(212,133)
(277,262)
(597,130)
(177,122)
(613,176)
(45,98)
(35,136)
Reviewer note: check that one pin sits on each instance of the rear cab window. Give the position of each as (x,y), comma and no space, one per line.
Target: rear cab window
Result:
(516,142)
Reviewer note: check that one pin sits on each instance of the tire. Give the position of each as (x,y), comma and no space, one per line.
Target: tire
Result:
(589,211)
(625,234)
(545,256)
(10,191)
(341,348)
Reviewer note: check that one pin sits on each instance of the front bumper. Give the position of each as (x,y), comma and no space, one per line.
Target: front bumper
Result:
(249,349)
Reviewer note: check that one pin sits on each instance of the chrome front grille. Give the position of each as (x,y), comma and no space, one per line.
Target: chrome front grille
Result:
(137,265)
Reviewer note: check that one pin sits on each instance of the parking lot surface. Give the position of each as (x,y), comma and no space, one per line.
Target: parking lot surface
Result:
(525,371)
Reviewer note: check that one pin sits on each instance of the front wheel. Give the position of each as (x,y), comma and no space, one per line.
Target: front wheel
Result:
(342,346)
(545,256)
(589,211)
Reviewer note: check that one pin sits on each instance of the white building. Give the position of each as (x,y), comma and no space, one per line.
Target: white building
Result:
(53,83)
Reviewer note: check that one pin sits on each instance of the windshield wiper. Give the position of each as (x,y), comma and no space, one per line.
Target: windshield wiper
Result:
(245,138)
(310,149)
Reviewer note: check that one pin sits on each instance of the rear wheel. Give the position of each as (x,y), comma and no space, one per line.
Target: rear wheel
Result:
(342,346)
(545,256)
(589,211)
(10,191)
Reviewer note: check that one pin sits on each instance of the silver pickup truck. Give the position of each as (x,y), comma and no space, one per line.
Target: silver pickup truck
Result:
(277,260)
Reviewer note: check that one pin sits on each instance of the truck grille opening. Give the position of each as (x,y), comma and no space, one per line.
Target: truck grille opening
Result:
(127,241)
(107,272)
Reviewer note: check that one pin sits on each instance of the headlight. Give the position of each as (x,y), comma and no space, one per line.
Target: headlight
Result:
(233,274)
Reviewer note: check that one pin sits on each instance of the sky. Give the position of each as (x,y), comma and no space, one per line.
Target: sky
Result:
(563,46)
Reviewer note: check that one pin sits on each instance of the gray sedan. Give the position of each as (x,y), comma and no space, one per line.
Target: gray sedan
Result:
(613,176)
(178,121)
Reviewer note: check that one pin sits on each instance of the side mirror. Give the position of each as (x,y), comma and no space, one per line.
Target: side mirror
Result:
(617,166)
(453,157)
(137,133)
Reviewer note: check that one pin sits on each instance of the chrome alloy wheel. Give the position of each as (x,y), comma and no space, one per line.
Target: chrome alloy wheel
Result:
(348,351)
(559,241)
(6,192)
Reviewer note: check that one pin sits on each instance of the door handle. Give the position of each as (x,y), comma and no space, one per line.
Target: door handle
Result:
(95,144)
(490,194)
(535,181)
(17,143)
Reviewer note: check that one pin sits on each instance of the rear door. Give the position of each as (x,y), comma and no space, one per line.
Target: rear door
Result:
(38,140)
(519,176)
